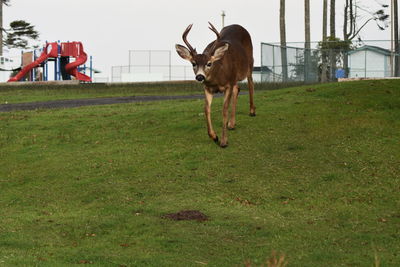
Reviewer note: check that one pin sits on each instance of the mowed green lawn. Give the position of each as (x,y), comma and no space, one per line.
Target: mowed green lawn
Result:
(315,176)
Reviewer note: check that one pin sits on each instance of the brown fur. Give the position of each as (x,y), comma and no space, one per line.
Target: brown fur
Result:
(231,60)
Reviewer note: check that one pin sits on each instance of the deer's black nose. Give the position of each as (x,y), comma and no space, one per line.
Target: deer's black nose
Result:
(200,78)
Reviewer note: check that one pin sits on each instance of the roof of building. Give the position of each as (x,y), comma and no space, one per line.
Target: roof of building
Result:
(93,69)
(261,69)
(376,49)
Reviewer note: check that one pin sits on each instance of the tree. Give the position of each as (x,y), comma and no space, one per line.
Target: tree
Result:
(325,20)
(351,28)
(332,20)
(396,38)
(2,2)
(340,46)
(282,24)
(307,34)
(18,34)
(332,36)
(324,66)
(337,49)
(307,37)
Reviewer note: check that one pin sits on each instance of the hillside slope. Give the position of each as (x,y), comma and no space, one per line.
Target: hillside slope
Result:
(314,176)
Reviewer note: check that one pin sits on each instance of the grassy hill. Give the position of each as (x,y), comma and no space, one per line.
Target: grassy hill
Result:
(314,176)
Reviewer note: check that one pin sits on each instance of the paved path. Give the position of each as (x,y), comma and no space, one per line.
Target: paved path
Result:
(90,102)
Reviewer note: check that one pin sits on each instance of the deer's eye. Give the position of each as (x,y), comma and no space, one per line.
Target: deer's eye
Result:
(209,64)
(194,64)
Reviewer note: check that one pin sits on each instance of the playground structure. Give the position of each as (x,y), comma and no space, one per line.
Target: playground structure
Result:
(60,53)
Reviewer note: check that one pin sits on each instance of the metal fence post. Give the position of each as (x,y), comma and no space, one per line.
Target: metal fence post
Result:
(169,52)
(149,61)
(129,68)
(273,63)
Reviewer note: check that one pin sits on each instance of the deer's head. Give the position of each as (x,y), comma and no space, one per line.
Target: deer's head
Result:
(202,63)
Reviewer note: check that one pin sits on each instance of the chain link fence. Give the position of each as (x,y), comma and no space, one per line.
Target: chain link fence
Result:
(328,61)
(295,68)
(150,65)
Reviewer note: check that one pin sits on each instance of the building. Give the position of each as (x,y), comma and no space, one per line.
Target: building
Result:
(7,66)
(369,62)
(262,74)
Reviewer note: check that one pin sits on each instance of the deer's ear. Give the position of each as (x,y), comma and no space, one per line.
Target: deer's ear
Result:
(183,52)
(219,52)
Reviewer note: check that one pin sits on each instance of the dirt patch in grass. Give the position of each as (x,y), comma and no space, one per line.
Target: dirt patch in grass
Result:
(187,215)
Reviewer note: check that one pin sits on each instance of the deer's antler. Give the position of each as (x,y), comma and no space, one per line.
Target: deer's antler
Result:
(184,35)
(214,30)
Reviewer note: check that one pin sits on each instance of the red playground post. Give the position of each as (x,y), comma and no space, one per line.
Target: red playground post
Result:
(61,53)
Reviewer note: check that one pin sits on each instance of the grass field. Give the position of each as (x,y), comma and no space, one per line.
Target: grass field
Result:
(45,92)
(314,176)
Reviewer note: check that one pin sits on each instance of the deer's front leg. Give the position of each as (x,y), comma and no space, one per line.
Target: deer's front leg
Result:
(225,115)
(207,112)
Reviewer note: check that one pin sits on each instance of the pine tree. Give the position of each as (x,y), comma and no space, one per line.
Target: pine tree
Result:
(18,34)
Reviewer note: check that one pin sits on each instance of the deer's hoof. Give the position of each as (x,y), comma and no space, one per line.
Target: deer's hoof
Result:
(216,140)
(223,145)
(231,128)
(252,114)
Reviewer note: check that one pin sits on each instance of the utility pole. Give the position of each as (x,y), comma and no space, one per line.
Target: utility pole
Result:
(223,18)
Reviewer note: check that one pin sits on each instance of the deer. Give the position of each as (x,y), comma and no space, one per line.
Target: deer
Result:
(223,63)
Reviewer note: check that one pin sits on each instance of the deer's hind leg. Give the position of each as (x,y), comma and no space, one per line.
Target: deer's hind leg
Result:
(251,95)
(225,113)
(235,94)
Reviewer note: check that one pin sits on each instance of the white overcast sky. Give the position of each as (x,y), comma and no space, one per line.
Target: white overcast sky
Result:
(109,29)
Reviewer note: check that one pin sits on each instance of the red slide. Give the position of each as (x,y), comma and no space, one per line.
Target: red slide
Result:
(80,59)
(50,50)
